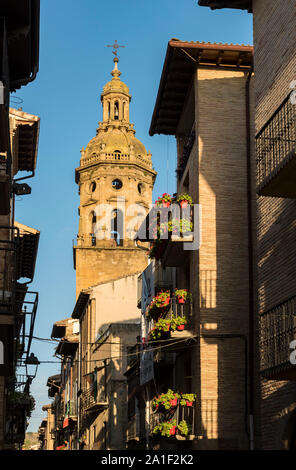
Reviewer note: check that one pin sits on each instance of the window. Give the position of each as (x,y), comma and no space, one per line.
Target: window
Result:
(117,226)
(140,188)
(116,184)
(93,186)
(116,110)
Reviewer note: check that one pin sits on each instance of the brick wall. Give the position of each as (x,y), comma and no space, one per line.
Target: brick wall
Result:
(219,270)
(275,68)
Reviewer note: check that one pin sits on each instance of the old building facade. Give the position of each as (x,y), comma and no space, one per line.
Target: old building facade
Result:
(115,179)
(204,99)
(275,127)
(19,131)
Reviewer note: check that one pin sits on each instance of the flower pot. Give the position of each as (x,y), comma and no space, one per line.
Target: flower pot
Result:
(173,430)
(188,403)
(166,204)
(180,327)
(181,300)
(174,402)
(184,204)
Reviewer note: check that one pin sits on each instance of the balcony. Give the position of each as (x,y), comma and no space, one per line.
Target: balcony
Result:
(171,232)
(5,186)
(172,326)
(275,153)
(176,416)
(134,428)
(9,242)
(188,145)
(92,404)
(25,322)
(277,330)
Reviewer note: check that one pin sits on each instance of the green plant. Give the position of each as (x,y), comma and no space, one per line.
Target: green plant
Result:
(165,428)
(177,321)
(158,304)
(183,428)
(21,400)
(156,249)
(164,198)
(184,197)
(161,327)
(180,226)
(184,294)
(164,401)
(187,397)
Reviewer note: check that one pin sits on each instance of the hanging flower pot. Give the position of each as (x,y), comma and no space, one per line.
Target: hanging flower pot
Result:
(184,204)
(164,200)
(184,200)
(174,401)
(182,296)
(173,430)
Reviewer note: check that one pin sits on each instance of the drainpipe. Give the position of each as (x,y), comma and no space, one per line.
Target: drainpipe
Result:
(251,263)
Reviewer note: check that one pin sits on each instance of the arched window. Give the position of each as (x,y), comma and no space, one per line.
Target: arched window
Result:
(109,109)
(116,110)
(124,110)
(93,220)
(117,226)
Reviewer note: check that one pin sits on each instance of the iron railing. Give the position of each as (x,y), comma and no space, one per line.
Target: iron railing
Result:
(180,413)
(188,145)
(89,400)
(9,240)
(25,325)
(276,141)
(133,427)
(176,310)
(277,330)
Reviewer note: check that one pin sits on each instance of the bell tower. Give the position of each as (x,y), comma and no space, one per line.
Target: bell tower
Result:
(115,180)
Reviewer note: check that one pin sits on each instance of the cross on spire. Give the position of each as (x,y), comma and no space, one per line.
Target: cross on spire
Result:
(115,46)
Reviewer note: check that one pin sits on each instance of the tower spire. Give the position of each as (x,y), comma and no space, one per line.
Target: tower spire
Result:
(116,72)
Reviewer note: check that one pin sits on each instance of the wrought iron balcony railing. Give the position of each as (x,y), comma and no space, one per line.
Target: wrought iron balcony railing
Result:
(92,402)
(9,239)
(176,310)
(180,413)
(134,428)
(277,330)
(188,145)
(275,153)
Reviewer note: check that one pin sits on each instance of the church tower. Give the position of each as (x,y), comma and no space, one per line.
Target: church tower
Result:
(115,179)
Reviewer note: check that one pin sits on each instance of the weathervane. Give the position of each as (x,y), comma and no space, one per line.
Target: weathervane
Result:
(115,46)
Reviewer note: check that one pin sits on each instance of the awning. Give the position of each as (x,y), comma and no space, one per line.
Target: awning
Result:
(27,251)
(182,59)
(26,128)
(22,20)
(67,348)
(81,305)
(237,4)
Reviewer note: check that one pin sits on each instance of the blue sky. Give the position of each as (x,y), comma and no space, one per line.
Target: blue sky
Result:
(74,66)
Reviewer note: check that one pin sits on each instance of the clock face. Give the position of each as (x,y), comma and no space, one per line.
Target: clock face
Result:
(117,184)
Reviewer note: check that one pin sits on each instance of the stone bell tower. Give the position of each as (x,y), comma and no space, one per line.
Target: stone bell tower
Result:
(115,179)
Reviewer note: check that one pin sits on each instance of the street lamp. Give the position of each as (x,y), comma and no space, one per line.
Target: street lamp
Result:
(32,364)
